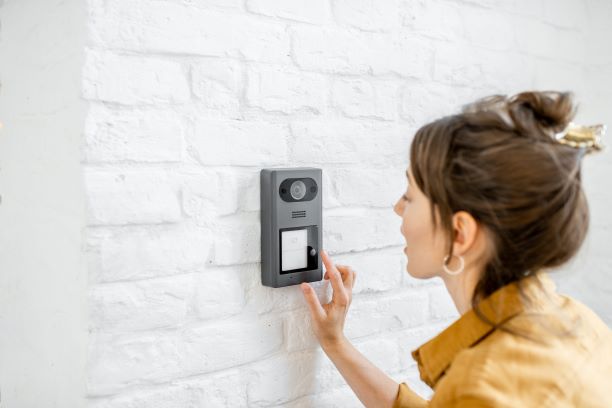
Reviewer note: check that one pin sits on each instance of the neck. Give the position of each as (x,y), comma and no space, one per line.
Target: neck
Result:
(461,288)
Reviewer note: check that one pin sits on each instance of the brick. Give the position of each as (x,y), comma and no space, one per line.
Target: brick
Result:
(219,293)
(329,50)
(369,187)
(359,229)
(191,392)
(558,75)
(377,271)
(566,14)
(116,362)
(537,38)
(264,299)
(119,362)
(218,84)
(237,5)
(280,379)
(239,143)
(133,80)
(424,102)
(599,20)
(299,332)
(131,196)
(412,57)
(329,198)
(488,28)
(341,51)
(209,193)
(147,251)
(277,88)
(375,315)
(266,335)
(142,135)
(140,305)
(237,240)
(349,142)
(433,18)
(574,41)
(315,11)
(160,397)
(533,9)
(179,28)
(360,98)
(246,193)
(502,76)
(383,353)
(300,336)
(342,396)
(368,15)
(229,390)
(457,64)
(201,195)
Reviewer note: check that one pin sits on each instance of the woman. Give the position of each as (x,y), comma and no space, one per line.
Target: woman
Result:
(494,200)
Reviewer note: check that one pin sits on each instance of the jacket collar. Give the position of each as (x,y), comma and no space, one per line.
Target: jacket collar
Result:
(436,355)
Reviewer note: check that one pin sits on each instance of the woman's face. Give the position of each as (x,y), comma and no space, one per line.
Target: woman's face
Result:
(424,249)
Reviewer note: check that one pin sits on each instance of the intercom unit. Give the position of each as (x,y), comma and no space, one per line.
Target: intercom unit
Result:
(291,226)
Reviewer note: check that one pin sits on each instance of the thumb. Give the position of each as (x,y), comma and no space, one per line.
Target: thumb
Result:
(312,300)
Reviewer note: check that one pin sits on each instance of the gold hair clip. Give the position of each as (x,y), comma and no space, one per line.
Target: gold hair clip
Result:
(583,136)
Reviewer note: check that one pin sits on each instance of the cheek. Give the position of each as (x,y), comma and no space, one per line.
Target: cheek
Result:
(411,225)
(416,230)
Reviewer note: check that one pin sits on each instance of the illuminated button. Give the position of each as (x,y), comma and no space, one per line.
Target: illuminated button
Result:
(294,249)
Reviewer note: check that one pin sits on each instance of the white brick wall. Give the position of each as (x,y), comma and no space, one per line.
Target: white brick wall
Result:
(188,100)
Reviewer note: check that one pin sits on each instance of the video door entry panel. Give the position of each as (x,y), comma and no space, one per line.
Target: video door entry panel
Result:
(291,226)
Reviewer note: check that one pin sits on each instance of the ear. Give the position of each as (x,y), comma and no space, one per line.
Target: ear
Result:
(466,230)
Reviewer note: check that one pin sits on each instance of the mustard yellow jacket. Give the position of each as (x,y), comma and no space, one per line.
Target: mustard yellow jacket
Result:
(561,356)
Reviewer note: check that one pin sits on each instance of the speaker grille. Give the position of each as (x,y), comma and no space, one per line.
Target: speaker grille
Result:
(298,214)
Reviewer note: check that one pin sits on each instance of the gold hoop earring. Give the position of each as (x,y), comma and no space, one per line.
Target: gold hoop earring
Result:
(456,272)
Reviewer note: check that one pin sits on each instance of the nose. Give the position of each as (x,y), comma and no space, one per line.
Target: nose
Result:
(397,208)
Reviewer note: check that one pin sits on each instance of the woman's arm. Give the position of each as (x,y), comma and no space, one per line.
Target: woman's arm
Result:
(373,387)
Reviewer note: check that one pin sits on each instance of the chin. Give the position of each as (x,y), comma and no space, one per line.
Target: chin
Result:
(417,273)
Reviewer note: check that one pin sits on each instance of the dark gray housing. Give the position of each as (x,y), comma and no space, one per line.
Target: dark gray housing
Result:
(291,227)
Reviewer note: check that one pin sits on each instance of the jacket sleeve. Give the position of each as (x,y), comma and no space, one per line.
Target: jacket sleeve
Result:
(406,398)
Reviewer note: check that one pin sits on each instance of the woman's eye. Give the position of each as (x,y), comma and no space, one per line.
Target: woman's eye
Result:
(405,197)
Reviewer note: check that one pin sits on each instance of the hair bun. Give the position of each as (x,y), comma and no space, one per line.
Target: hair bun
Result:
(548,112)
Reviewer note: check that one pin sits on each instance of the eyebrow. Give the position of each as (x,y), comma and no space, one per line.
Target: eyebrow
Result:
(408,176)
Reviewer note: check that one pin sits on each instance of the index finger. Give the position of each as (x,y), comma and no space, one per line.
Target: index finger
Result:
(339,294)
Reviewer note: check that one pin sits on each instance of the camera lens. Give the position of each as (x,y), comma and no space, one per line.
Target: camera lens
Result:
(298,190)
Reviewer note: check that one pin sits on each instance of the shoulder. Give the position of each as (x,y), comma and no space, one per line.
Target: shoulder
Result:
(476,374)
(592,323)
(495,373)
(509,370)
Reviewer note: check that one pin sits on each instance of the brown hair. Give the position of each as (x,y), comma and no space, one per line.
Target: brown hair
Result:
(499,161)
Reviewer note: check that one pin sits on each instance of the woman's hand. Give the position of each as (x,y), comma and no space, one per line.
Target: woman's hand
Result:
(328,320)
